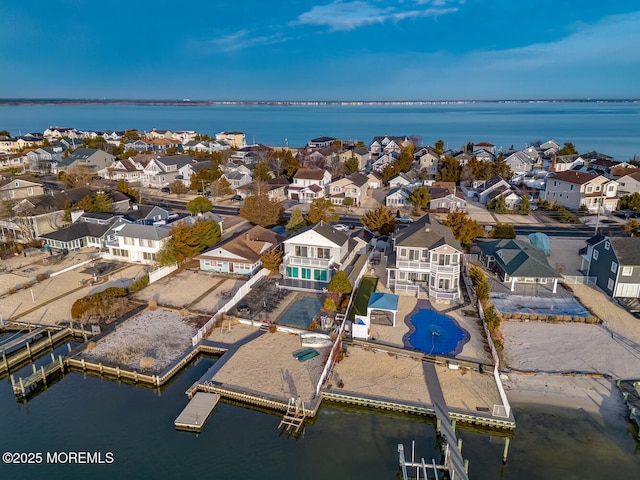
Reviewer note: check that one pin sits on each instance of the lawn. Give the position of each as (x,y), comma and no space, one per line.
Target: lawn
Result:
(366,288)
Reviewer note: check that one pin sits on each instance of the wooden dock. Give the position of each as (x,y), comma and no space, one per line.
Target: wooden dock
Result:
(196,412)
(24,386)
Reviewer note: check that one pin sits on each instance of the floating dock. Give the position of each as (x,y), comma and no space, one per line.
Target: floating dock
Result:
(196,412)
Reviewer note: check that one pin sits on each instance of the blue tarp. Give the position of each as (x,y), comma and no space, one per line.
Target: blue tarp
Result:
(383,301)
(541,242)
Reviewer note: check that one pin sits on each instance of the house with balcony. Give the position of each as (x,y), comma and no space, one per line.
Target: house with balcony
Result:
(572,189)
(137,243)
(388,144)
(313,255)
(161,171)
(309,184)
(518,262)
(426,261)
(89,230)
(241,253)
(235,139)
(615,263)
(354,186)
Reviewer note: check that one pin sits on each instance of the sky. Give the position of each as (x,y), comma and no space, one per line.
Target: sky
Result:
(320,50)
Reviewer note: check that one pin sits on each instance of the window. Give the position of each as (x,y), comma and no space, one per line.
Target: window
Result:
(614,267)
(301,251)
(595,254)
(627,271)
(306,273)
(149,256)
(324,253)
(610,284)
(127,241)
(30,191)
(589,189)
(571,187)
(607,245)
(403,252)
(320,275)
(292,272)
(120,252)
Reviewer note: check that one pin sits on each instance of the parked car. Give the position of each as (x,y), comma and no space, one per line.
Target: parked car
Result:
(165,189)
(236,198)
(341,227)
(406,220)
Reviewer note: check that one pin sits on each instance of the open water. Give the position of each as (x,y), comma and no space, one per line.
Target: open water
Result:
(610,128)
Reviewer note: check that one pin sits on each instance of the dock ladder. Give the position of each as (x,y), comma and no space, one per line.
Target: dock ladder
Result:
(295,415)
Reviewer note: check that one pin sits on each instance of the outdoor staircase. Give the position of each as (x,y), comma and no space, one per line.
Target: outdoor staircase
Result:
(295,415)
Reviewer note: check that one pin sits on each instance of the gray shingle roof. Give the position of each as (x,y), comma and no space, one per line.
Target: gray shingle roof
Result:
(147,232)
(427,232)
(627,250)
(518,259)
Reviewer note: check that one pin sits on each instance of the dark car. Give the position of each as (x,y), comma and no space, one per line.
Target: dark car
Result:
(236,198)
(165,190)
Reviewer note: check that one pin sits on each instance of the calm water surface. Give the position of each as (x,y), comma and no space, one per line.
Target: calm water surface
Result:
(136,425)
(611,128)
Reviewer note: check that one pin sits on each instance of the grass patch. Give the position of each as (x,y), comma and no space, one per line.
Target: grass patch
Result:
(361,301)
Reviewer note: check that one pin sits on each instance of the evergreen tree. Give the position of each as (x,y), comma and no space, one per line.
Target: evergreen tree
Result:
(321,210)
(340,283)
(199,205)
(96,203)
(420,197)
(351,165)
(296,222)
(380,220)
(525,206)
(272,259)
(503,230)
(262,172)
(259,209)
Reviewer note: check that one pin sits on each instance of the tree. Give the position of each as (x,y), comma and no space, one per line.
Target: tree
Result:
(379,220)
(220,188)
(124,187)
(272,259)
(503,230)
(480,283)
(199,205)
(296,222)
(340,283)
(502,168)
(449,170)
(403,163)
(439,147)
(75,175)
(420,197)
(351,165)
(464,229)
(66,216)
(632,227)
(259,209)
(203,178)
(388,172)
(130,136)
(321,210)
(178,187)
(568,149)
(630,202)
(348,202)
(186,241)
(525,206)
(96,203)
(499,204)
(262,172)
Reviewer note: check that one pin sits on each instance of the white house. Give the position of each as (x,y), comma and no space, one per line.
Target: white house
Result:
(572,189)
(139,243)
(309,184)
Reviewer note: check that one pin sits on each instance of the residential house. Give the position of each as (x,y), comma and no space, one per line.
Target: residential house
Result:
(138,243)
(90,158)
(398,197)
(560,163)
(313,255)
(157,134)
(138,145)
(615,262)
(426,260)
(309,184)
(89,230)
(572,189)
(125,169)
(446,198)
(516,261)
(320,142)
(427,159)
(362,155)
(374,181)
(235,139)
(483,155)
(400,180)
(20,187)
(511,198)
(520,162)
(45,159)
(188,170)
(354,186)
(388,144)
(161,171)
(629,184)
(148,215)
(56,133)
(462,158)
(237,179)
(486,146)
(276,188)
(202,146)
(382,161)
(241,253)
(548,149)
(485,187)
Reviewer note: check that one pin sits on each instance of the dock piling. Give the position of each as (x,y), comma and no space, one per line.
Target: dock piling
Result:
(506,450)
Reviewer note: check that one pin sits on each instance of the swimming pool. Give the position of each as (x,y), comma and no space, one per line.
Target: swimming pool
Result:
(301,312)
(437,334)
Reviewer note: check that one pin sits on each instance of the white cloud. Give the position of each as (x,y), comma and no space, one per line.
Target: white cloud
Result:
(344,16)
(243,39)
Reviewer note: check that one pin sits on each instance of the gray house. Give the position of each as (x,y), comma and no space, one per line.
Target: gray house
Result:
(615,262)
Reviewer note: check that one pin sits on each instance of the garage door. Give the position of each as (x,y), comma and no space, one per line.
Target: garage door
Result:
(628,290)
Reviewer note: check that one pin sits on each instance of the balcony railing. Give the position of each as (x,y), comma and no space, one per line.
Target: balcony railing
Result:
(308,262)
(444,294)
(445,268)
(413,265)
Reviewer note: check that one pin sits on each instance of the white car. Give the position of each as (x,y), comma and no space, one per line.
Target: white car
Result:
(341,227)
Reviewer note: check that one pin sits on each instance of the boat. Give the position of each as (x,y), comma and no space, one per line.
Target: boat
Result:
(317,340)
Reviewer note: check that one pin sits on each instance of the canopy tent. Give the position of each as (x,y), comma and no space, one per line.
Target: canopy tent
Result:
(383,301)
(541,242)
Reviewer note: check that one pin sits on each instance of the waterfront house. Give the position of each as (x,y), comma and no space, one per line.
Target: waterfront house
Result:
(485,146)
(520,162)
(388,144)
(425,261)
(615,264)
(56,133)
(515,261)
(313,255)
(235,139)
(629,184)
(428,160)
(572,189)
(354,186)
(241,253)
(89,230)
(309,184)
(320,142)
(90,159)
(138,243)
(20,187)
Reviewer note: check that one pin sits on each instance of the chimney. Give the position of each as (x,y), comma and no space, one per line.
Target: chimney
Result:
(553,163)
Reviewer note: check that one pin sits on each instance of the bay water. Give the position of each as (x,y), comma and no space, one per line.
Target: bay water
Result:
(612,128)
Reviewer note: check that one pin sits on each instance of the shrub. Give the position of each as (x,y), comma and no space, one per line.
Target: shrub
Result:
(41,277)
(329,304)
(313,325)
(578,319)
(592,320)
(140,283)
(183,312)
(273,328)
(146,362)
(153,305)
(552,319)
(98,304)
(492,318)
(516,316)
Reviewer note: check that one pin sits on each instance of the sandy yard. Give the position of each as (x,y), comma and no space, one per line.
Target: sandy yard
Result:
(468,390)
(267,365)
(231,332)
(159,336)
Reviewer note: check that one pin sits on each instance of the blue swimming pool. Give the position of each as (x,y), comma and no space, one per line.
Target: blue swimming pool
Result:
(301,312)
(437,334)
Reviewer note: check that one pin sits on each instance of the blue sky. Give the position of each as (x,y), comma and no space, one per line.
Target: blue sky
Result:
(320,50)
